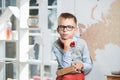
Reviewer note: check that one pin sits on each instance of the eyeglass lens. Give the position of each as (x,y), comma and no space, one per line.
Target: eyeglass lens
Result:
(61,27)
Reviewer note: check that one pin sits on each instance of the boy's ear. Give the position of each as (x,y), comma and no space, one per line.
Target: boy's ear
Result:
(76,30)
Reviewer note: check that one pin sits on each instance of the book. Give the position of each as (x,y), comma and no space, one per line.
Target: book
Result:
(63,71)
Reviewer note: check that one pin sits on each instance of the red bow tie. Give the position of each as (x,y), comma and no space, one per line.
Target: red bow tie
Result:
(72,44)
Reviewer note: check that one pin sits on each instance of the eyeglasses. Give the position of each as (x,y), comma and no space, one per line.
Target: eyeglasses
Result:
(62,27)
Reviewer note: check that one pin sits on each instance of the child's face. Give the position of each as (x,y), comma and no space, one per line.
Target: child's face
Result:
(66,28)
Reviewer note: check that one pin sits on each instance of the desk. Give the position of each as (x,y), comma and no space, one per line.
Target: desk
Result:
(113,77)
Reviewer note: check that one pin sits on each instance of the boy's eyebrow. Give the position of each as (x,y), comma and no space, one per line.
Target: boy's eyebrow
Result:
(65,25)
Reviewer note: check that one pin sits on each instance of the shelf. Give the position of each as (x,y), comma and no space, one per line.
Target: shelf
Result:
(10,59)
(14,36)
(33,61)
(9,40)
(35,34)
(51,7)
(53,62)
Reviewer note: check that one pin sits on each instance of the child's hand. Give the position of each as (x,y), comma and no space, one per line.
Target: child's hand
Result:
(66,43)
(78,66)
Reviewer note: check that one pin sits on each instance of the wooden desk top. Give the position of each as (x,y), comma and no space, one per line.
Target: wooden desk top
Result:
(113,77)
(110,75)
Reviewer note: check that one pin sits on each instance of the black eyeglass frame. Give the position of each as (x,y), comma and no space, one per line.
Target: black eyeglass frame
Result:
(62,27)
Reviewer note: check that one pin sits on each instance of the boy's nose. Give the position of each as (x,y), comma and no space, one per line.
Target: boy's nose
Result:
(65,29)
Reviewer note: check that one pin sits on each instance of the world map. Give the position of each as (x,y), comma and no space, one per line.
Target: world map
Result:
(103,26)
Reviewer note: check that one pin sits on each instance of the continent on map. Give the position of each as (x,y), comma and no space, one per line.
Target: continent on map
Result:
(103,32)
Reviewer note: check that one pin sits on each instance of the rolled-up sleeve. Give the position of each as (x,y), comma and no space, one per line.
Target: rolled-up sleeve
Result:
(63,58)
(86,60)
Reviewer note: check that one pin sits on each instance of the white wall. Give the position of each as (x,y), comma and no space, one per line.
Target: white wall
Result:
(107,60)
(90,12)
(66,6)
(107,57)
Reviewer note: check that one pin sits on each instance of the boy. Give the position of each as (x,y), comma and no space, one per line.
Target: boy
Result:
(70,50)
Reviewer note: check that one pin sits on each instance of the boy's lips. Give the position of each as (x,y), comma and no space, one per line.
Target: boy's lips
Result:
(64,35)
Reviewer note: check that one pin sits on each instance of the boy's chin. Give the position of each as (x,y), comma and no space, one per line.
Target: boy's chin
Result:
(65,38)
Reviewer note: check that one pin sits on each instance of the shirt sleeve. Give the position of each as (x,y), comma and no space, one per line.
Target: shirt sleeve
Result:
(86,59)
(63,58)
(66,60)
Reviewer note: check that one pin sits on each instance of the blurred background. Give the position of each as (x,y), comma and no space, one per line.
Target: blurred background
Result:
(28,29)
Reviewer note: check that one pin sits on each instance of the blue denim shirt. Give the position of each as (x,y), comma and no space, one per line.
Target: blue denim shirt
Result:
(79,53)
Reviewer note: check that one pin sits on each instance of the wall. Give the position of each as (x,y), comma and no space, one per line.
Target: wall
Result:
(99,26)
